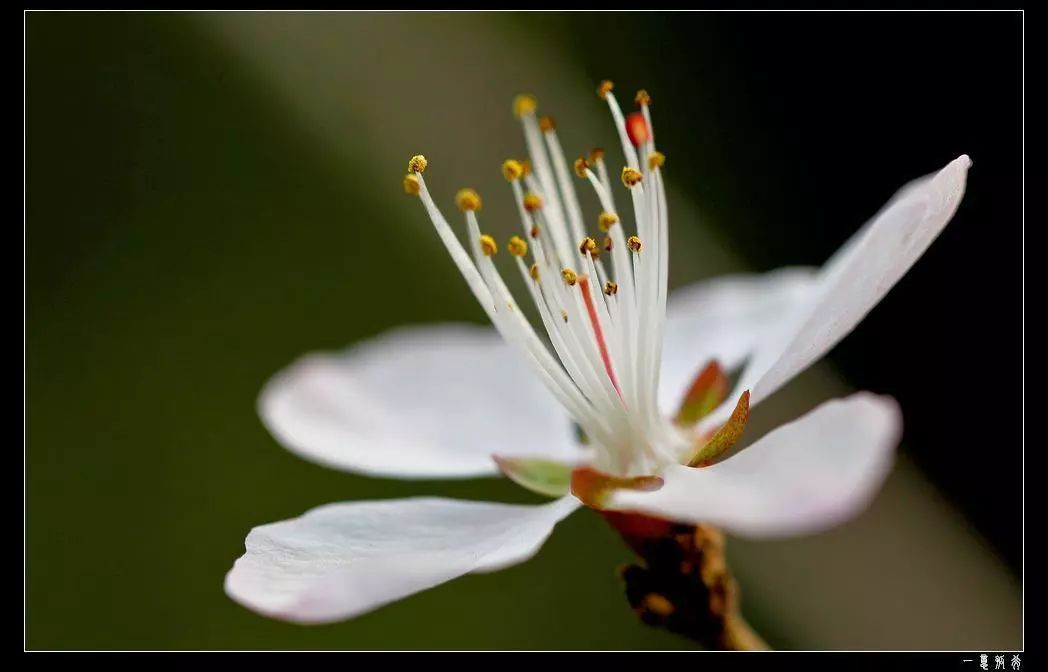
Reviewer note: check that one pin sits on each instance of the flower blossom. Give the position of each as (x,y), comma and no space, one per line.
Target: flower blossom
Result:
(618,397)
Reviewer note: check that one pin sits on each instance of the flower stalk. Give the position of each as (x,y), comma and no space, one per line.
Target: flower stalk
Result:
(682,582)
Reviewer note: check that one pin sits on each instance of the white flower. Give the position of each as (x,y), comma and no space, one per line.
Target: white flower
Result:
(615,359)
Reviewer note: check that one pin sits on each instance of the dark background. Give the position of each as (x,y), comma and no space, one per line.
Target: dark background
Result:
(209,196)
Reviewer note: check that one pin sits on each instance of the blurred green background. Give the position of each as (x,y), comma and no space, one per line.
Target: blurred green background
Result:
(210,195)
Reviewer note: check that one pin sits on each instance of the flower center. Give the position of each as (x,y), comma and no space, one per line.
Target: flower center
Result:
(603,320)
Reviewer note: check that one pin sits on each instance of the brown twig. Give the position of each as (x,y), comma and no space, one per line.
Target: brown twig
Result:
(682,582)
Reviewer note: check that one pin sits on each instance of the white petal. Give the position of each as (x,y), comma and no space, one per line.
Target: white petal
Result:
(417,402)
(341,560)
(803,477)
(861,273)
(724,319)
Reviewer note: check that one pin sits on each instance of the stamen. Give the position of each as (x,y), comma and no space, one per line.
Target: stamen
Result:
(628,150)
(467,200)
(532,201)
(489,247)
(614,320)
(518,326)
(580,344)
(512,169)
(599,305)
(540,232)
(567,191)
(529,211)
(596,158)
(417,164)
(598,332)
(524,104)
(646,274)
(625,272)
(663,274)
(557,333)
(602,273)
(513,329)
(517,246)
(546,176)
(631,177)
(581,166)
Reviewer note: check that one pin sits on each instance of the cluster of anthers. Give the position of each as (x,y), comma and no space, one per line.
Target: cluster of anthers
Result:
(602,304)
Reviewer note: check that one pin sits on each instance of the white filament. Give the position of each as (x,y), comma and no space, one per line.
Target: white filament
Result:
(613,400)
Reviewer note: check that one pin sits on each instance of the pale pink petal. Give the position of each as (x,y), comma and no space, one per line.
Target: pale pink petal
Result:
(417,402)
(859,276)
(724,319)
(341,560)
(851,283)
(803,477)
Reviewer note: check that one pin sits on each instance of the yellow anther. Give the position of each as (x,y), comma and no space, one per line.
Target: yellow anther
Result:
(517,246)
(633,243)
(532,201)
(467,200)
(581,166)
(596,154)
(534,272)
(547,124)
(642,98)
(524,104)
(512,170)
(488,245)
(534,232)
(526,165)
(411,184)
(570,276)
(607,243)
(611,288)
(605,86)
(606,220)
(656,160)
(588,246)
(564,314)
(631,177)
(417,164)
